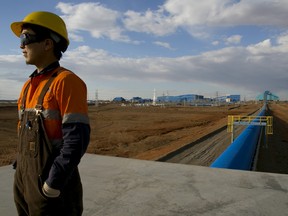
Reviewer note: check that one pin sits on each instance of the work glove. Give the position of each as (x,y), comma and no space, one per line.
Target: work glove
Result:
(50,192)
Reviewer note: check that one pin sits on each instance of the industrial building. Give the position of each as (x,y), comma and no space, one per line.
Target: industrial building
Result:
(186,98)
(190,98)
(229,98)
(179,99)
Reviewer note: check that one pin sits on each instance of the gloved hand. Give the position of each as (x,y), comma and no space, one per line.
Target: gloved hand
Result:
(50,192)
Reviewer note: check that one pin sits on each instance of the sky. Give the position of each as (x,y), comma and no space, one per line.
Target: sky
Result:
(133,48)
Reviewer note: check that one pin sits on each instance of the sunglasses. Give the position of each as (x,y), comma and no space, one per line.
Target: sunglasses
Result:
(26,39)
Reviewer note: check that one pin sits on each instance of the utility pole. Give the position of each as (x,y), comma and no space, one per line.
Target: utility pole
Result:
(96,98)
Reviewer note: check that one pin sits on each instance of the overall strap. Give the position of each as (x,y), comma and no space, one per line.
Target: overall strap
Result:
(38,106)
(22,107)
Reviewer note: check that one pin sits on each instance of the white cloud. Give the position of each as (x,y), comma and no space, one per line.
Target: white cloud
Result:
(283,39)
(227,12)
(76,37)
(13,73)
(254,68)
(163,44)
(257,12)
(199,18)
(151,22)
(94,18)
(193,13)
(10,58)
(234,39)
(10,89)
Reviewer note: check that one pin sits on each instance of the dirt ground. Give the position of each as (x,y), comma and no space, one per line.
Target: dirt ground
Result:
(8,134)
(273,152)
(149,133)
(143,132)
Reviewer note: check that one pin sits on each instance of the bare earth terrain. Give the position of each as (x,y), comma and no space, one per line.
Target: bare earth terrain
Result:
(273,153)
(150,132)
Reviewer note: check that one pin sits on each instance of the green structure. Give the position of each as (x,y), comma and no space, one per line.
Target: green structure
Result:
(267,96)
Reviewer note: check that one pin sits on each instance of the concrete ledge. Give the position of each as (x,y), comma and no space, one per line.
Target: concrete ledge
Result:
(124,187)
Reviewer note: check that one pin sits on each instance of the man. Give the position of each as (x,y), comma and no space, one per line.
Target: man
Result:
(53,126)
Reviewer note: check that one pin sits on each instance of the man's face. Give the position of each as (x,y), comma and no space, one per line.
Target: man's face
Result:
(31,48)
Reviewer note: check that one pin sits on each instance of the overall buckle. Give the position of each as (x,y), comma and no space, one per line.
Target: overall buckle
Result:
(38,109)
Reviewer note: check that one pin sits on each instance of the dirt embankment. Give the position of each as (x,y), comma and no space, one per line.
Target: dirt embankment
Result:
(273,152)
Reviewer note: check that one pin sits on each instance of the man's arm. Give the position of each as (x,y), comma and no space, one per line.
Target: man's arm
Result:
(76,137)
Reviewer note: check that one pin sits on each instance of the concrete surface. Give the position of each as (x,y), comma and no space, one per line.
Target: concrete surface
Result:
(123,187)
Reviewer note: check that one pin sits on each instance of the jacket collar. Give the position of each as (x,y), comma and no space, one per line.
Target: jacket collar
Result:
(49,68)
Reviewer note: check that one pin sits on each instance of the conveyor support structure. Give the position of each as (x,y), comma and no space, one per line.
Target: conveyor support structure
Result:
(240,154)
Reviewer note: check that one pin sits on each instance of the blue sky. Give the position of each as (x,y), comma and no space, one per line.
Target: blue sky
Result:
(131,47)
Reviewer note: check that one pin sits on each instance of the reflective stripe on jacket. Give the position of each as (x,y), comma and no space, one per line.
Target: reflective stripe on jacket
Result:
(64,102)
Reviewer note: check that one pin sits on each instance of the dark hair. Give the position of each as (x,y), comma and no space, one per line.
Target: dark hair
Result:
(44,33)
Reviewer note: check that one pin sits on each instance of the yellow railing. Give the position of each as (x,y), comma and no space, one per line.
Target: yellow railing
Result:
(266,121)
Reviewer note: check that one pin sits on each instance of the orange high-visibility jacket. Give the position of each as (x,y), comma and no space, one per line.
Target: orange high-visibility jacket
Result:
(65,113)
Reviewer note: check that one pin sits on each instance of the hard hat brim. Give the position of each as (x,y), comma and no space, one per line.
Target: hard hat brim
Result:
(16,27)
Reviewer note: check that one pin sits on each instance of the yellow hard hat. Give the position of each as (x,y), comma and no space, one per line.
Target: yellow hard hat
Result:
(45,19)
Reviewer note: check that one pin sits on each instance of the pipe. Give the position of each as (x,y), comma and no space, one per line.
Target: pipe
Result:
(240,154)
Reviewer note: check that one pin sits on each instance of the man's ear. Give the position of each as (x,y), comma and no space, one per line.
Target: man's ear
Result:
(49,44)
